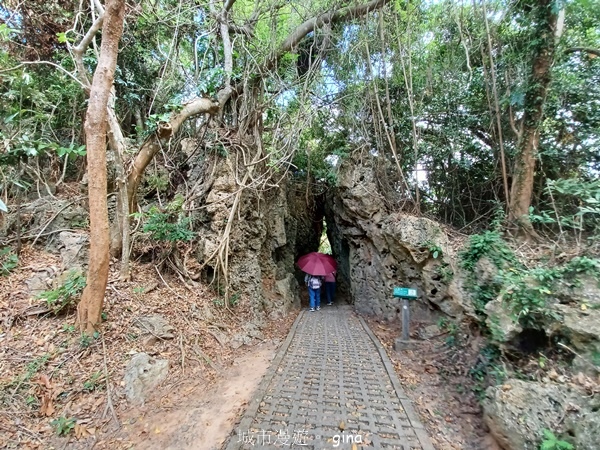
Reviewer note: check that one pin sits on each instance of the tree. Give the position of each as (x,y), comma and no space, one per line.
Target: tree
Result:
(548,30)
(440,87)
(90,307)
(245,112)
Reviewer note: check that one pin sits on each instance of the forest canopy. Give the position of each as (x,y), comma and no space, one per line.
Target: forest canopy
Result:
(444,93)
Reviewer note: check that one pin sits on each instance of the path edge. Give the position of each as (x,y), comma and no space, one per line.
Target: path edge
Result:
(252,409)
(406,403)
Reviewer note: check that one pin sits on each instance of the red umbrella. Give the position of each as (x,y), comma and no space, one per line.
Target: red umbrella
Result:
(317,264)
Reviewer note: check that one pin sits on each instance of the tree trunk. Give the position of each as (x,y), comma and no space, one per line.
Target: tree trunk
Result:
(524,166)
(90,307)
(119,232)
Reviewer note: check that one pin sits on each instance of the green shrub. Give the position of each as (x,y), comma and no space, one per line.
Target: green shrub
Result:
(490,245)
(63,426)
(487,371)
(527,291)
(85,340)
(235,299)
(8,261)
(434,250)
(551,442)
(170,224)
(66,294)
(526,294)
(94,383)
(576,203)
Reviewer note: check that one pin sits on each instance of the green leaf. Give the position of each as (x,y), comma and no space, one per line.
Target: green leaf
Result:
(10,118)
(549,435)
(547,445)
(564,445)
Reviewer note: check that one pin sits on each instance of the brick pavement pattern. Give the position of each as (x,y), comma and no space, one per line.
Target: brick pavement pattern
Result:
(331,369)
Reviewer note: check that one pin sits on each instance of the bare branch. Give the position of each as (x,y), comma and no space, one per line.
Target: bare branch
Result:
(99,7)
(153,144)
(80,49)
(589,51)
(349,12)
(298,34)
(228,4)
(62,69)
(246,30)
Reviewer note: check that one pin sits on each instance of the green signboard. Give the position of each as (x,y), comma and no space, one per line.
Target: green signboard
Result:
(402,292)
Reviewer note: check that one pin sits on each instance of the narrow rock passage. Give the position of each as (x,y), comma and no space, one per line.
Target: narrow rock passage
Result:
(330,386)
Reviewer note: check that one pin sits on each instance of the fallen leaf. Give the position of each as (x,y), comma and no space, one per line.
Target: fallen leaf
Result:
(44,380)
(98,402)
(47,408)
(80,431)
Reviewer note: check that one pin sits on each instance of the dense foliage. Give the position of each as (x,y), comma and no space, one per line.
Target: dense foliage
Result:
(435,91)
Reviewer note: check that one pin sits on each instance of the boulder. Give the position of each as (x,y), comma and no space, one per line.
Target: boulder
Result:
(45,216)
(501,322)
(249,332)
(73,248)
(42,280)
(485,271)
(142,375)
(154,328)
(585,290)
(517,412)
(269,230)
(286,297)
(429,331)
(582,328)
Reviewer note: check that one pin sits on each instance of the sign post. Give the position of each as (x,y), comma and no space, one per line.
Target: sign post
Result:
(405,294)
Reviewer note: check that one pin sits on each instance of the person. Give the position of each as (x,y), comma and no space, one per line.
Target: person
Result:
(330,287)
(314,284)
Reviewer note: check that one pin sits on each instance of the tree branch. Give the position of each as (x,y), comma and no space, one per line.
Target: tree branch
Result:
(294,38)
(349,12)
(228,4)
(152,145)
(62,69)
(80,49)
(589,51)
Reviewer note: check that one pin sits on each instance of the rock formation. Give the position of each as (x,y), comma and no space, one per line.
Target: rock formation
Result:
(378,248)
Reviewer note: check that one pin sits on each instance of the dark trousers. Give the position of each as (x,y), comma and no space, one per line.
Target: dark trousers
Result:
(330,291)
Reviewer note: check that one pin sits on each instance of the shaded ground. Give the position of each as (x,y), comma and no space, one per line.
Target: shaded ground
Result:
(49,374)
(53,381)
(435,375)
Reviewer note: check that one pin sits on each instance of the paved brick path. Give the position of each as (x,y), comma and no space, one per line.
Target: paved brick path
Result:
(331,369)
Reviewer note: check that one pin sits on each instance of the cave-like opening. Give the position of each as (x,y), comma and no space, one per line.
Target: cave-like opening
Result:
(321,234)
